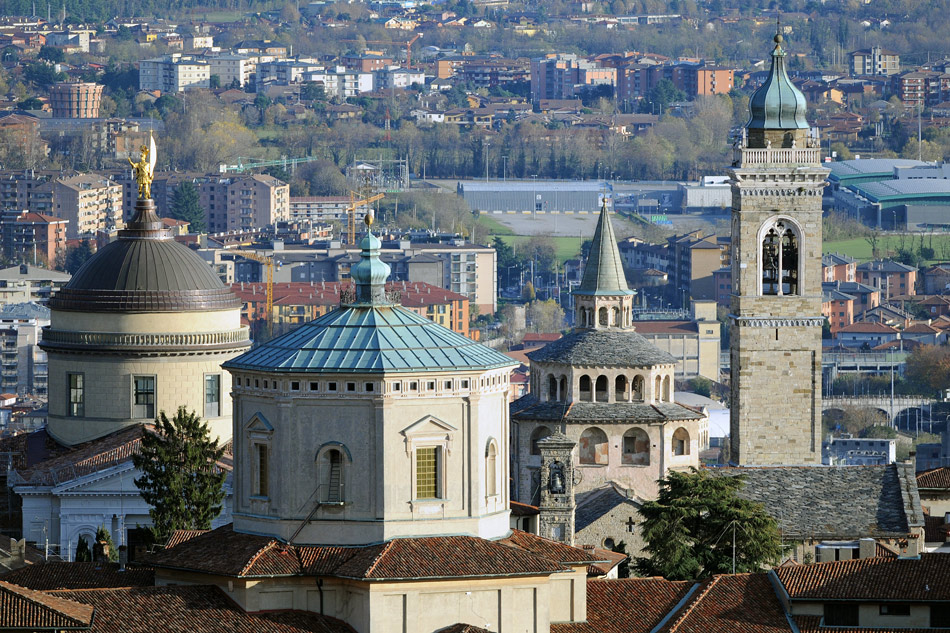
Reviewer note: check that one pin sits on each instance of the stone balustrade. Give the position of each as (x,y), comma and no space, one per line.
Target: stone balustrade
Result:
(54,339)
(747,157)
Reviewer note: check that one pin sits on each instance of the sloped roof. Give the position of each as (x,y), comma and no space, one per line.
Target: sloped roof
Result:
(867,327)
(22,608)
(225,552)
(836,502)
(603,348)
(370,339)
(190,609)
(643,603)
(528,407)
(603,274)
(51,575)
(739,603)
(937,478)
(85,458)
(905,579)
(596,503)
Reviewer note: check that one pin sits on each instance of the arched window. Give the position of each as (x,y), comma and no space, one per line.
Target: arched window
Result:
(657,389)
(636,447)
(620,389)
(562,383)
(593,447)
(331,475)
(536,436)
(491,472)
(638,388)
(615,316)
(586,393)
(602,395)
(552,387)
(779,258)
(603,316)
(556,478)
(667,391)
(680,442)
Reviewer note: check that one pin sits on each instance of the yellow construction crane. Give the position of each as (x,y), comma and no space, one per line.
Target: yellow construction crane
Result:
(269,292)
(351,213)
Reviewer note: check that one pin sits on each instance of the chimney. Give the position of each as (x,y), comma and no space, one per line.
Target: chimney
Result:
(123,556)
(867,548)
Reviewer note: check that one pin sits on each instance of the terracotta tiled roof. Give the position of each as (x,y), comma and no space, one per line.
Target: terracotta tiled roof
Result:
(868,328)
(731,604)
(936,479)
(85,458)
(883,551)
(190,609)
(22,608)
(935,529)
(180,536)
(59,575)
(923,579)
(644,602)
(412,294)
(546,548)
(613,559)
(228,553)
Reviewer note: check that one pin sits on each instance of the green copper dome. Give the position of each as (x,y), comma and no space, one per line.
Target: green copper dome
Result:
(370,273)
(603,274)
(777,104)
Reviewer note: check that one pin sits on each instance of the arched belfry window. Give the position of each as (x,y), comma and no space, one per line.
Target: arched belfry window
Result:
(779,259)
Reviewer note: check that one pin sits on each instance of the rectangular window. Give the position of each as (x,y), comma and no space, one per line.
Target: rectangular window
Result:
(841,614)
(427,473)
(351,386)
(940,615)
(894,609)
(77,396)
(212,395)
(331,386)
(260,488)
(314,386)
(294,385)
(143,397)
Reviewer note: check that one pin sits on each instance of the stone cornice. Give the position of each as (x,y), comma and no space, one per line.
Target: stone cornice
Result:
(773,322)
(144,342)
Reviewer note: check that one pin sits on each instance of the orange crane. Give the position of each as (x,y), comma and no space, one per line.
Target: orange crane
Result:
(407,44)
(351,213)
(269,292)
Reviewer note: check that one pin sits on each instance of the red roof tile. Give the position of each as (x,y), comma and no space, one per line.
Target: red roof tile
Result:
(86,458)
(228,553)
(22,608)
(732,604)
(414,294)
(180,536)
(644,602)
(868,327)
(936,479)
(190,609)
(523,509)
(601,569)
(546,548)
(871,579)
(59,575)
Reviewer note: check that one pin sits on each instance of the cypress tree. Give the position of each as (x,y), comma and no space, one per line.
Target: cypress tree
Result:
(102,534)
(180,478)
(186,206)
(83,553)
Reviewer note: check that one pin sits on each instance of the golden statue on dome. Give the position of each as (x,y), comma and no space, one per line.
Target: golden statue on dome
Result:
(145,169)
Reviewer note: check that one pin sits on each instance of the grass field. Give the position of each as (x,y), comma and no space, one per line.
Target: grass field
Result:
(493,226)
(860,249)
(565,247)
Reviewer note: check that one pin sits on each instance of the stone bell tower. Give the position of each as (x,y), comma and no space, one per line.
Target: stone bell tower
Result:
(556,520)
(777,179)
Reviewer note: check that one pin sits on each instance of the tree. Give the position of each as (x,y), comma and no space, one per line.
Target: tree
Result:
(690,529)
(180,477)
(77,256)
(186,206)
(545,316)
(214,82)
(83,553)
(103,536)
(51,54)
(701,386)
(929,367)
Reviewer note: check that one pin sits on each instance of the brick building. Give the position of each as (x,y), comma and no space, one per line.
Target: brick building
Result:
(75,100)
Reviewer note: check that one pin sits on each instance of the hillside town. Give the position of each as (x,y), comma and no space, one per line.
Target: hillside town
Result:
(474,316)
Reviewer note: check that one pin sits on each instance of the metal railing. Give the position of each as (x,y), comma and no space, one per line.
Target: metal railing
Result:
(53,337)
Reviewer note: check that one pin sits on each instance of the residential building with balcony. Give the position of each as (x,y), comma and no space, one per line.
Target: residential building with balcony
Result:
(891,278)
(874,61)
(23,365)
(561,76)
(75,100)
(28,236)
(174,73)
(91,203)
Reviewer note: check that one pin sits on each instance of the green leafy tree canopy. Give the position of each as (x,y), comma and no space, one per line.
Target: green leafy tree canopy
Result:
(690,529)
(180,478)
(103,536)
(186,206)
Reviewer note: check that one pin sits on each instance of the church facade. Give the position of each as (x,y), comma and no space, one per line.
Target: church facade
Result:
(609,391)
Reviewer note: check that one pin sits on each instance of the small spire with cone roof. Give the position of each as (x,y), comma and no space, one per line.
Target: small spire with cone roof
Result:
(603,274)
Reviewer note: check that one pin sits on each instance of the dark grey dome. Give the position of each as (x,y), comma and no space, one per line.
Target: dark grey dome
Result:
(603,348)
(144,270)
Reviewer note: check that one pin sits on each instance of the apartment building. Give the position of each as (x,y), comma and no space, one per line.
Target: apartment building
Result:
(837,267)
(694,260)
(875,61)
(340,82)
(243,202)
(562,76)
(75,100)
(891,278)
(286,71)
(323,208)
(23,365)
(922,87)
(174,73)
(231,69)
(366,63)
(90,202)
(32,237)
(397,77)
